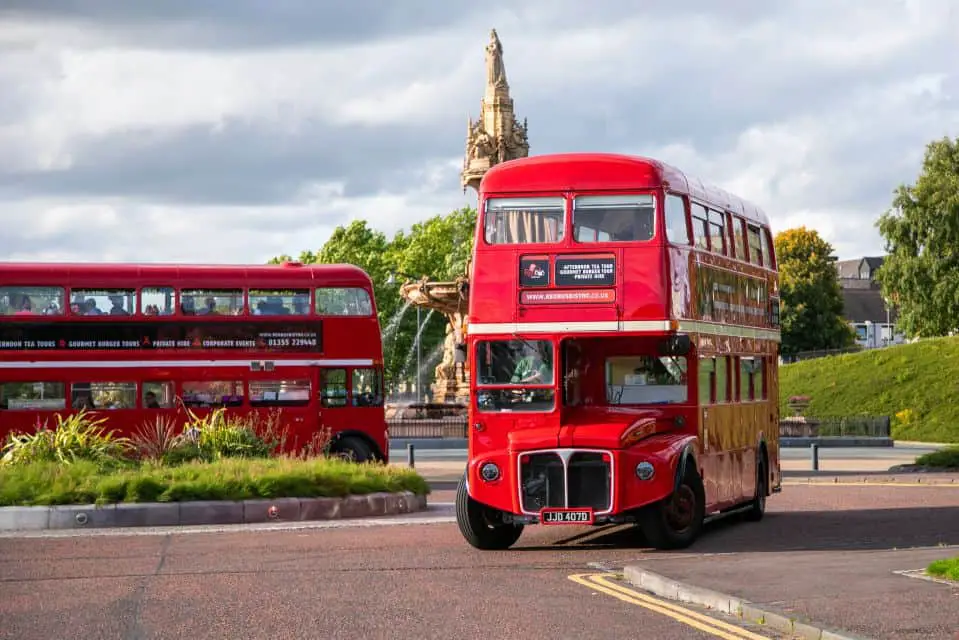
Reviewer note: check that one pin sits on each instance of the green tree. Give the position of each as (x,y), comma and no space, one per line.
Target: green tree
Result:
(920,275)
(810,296)
(437,248)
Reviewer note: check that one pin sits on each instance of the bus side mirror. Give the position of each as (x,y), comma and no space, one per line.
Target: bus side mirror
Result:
(678,345)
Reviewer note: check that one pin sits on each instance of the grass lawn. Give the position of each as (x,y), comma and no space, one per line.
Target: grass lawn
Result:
(915,384)
(85,482)
(948,569)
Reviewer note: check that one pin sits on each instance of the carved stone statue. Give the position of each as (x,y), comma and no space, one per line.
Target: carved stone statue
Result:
(495,71)
(479,143)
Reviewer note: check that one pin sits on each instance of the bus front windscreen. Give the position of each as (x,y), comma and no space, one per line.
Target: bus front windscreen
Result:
(514,368)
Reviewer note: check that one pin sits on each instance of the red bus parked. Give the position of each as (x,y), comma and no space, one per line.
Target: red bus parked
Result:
(133,341)
(624,330)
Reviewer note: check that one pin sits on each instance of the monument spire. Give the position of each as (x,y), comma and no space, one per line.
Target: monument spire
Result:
(496,136)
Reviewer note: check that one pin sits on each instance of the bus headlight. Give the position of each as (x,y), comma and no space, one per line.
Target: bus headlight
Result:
(489,472)
(644,470)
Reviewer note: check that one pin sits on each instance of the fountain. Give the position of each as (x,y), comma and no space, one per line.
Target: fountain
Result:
(451,384)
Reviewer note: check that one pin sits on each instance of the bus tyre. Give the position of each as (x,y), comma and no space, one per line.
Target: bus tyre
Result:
(352,449)
(757,508)
(676,521)
(482,526)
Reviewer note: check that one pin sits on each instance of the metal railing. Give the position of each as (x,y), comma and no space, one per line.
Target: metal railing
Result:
(449,427)
(833,426)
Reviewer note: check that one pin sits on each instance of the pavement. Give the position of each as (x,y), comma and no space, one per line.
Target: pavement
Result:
(826,552)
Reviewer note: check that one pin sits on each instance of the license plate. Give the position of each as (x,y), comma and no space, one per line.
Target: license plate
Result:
(566,516)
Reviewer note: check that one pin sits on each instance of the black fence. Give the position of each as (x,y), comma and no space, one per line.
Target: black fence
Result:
(801,426)
(833,426)
(449,427)
(819,353)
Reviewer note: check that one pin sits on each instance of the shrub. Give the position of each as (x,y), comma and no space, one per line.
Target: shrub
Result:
(76,437)
(943,459)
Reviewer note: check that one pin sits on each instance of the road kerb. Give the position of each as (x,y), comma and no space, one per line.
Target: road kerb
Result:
(212,512)
(668,588)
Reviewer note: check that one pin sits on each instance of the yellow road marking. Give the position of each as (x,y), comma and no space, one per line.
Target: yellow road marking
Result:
(719,628)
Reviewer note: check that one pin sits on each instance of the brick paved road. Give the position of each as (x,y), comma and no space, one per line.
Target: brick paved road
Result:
(416,581)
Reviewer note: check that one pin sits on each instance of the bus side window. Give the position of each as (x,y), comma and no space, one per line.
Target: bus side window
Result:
(157,301)
(33,395)
(333,387)
(676,230)
(96,396)
(367,388)
(157,395)
(700,226)
(707,378)
(219,393)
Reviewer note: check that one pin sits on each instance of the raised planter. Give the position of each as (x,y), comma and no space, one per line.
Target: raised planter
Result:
(170,514)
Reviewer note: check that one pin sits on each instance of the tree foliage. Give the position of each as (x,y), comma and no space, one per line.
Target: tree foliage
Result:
(811,299)
(920,275)
(438,248)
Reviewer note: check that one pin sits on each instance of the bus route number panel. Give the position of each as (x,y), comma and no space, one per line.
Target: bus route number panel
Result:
(555,515)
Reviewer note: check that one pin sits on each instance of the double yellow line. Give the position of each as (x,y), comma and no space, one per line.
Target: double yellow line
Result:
(602,583)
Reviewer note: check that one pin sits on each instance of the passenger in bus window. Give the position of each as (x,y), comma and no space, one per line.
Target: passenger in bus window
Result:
(82,400)
(117,308)
(209,307)
(90,308)
(532,368)
(150,401)
(188,307)
(26,307)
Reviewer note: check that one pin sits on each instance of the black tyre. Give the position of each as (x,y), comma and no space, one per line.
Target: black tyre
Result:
(482,526)
(353,449)
(757,508)
(676,522)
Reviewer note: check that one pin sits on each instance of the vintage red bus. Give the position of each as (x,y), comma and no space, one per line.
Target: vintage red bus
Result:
(624,332)
(136,341)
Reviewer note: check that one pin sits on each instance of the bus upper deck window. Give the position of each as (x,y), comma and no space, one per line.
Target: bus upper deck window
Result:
(629,218)
(19,300)
(525,220)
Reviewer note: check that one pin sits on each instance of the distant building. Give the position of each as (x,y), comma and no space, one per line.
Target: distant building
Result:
(864,307)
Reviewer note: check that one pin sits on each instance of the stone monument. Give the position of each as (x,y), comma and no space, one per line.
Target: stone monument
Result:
(497,135)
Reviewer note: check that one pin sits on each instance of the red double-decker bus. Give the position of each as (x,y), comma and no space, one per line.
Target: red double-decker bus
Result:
(624,336)
(136,341)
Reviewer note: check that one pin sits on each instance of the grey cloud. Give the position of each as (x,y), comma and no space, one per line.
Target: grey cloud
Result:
(241,162)
(246,23)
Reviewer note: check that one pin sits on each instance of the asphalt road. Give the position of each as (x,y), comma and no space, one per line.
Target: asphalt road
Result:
(411,577)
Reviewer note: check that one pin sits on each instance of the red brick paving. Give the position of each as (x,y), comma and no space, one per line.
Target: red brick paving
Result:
(423,581)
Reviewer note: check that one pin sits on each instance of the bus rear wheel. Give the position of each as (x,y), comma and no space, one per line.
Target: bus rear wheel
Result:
(482,526)
(352,449)
(676,521)
(757,508)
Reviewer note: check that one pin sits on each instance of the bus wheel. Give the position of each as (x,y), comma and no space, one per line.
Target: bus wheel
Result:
(676,522)
(352,449)
(757,508)
(482,526)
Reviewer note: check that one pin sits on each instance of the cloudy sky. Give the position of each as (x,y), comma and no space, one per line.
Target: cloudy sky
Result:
(234,131)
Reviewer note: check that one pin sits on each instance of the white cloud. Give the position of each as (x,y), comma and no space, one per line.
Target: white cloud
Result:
(814,110)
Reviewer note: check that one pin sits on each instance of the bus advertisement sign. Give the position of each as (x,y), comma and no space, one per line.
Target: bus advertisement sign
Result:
(585,271)
(158,336)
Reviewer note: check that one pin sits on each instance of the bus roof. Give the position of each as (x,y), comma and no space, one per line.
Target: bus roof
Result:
(154,274)
(609,171)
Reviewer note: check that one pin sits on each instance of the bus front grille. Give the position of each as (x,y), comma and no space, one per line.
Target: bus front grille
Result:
(585,480)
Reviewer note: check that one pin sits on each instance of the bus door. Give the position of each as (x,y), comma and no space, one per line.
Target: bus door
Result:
(332,387)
